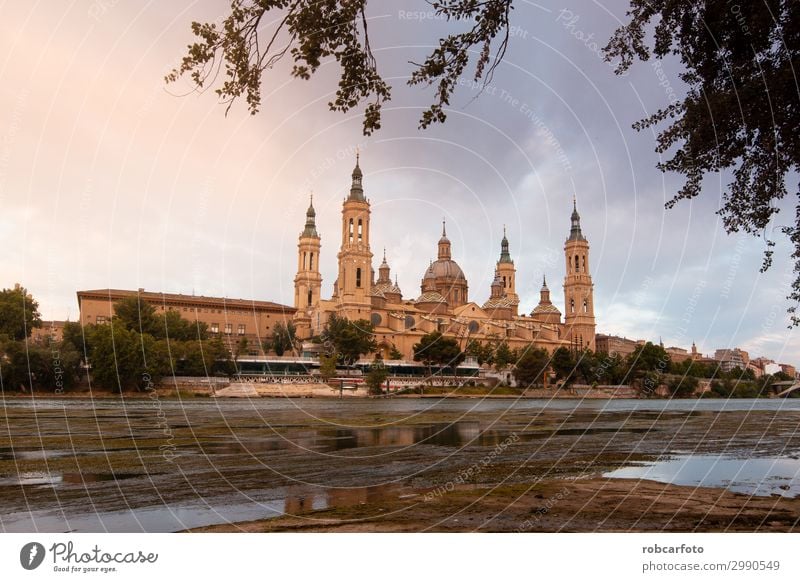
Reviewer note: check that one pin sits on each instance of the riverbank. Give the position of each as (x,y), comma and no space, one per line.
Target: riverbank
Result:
(556,505)
(394,464)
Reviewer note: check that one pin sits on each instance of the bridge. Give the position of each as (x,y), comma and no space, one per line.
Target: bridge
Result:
(793,385)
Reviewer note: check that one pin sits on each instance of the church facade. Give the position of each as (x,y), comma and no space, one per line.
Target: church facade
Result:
(443,302)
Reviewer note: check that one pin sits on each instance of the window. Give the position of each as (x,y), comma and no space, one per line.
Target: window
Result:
(360,230)
(228,328)
(584,263)
(214,328)
(572,306)
(241,329)
(101,319)
(505,285)
(351,230)
(311,261)
(358,277)
(577,264)
(309,296)
(585,306)
(304,260)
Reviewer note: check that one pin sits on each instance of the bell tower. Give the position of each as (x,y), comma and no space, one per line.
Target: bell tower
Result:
(308,281)
(578,288)
(508,273)
(355,258)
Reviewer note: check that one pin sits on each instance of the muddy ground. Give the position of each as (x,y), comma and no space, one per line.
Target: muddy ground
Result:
(379,465)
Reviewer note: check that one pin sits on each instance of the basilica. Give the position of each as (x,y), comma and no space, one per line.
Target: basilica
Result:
(443,303)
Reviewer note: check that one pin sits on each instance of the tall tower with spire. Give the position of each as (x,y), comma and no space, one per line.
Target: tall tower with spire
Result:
(578,287)
(355,258)
(508,273)
(308,281)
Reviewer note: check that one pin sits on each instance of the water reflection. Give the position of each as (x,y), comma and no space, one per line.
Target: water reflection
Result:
(172,517)
(761,477)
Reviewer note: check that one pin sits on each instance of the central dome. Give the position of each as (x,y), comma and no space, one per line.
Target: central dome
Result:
(444,268)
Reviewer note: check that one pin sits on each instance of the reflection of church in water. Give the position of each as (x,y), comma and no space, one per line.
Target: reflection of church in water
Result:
(443,303)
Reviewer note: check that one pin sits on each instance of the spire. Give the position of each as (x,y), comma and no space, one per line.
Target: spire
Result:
(544,293)
(505,256)
(356,187)
(384,278)
(444,244)
(311,226)
(575,232)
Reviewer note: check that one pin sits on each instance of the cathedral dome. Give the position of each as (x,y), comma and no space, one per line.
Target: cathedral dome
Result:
(444,268)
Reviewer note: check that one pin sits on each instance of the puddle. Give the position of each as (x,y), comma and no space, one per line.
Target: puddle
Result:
(760,477)
(176,517)
(54,479)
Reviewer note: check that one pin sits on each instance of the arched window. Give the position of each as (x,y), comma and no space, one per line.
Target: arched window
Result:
(360,230)
(577,265)
(309,297)
(505,285)
(304,261)
(455,294)
(311,261)
(585,306)
(358,277)
(584,263)
(351,230)
(572,306)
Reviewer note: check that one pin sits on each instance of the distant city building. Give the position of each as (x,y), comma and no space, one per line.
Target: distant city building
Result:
(51,331)
(444,302)
(230,319)
(789,370)
(732,358)
(613,344)
(678,355)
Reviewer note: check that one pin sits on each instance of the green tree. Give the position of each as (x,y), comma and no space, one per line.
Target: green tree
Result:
(327,367)
(284,337)
(136,314)
(649,357)
(394,353)
(350,339)
(376,376)
(503,356)
(244,46)
(434,349)
(682,386)
(480,351)
(740,113)
(121,358)
(531,367)
(19,313)
(563,363)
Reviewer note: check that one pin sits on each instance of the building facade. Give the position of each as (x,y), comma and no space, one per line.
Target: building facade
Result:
(230,319)
(443,303)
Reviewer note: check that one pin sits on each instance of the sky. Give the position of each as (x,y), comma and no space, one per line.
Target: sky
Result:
(111,178)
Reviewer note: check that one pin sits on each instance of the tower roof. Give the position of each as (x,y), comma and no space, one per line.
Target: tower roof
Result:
(356,187)
(505,256)
(311,225)
(575,231)
(444,238)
